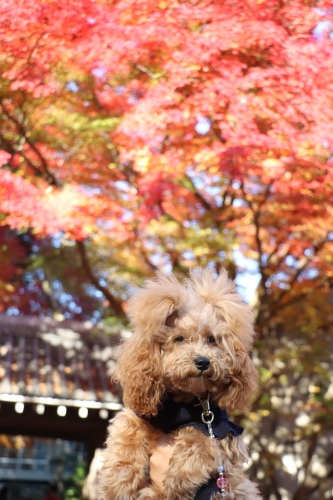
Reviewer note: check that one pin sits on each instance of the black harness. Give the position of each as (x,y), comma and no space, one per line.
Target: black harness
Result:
(172,416)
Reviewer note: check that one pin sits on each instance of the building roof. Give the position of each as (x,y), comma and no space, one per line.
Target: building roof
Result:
(51,362)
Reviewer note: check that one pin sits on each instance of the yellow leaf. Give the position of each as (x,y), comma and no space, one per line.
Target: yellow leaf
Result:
(254,416)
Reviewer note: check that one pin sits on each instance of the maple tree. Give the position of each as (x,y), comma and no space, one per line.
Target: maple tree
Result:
(141,135)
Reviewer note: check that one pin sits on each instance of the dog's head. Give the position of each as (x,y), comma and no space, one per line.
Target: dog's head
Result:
(188,340)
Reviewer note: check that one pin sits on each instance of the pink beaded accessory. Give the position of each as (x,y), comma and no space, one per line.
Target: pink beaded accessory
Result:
(207,417)
(221,481)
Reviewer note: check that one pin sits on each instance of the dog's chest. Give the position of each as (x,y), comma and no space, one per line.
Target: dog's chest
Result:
(177,440)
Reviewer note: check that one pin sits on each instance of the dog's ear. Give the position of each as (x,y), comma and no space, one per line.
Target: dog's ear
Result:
(139,363)
(244,384)
(139,372)
(222,294)
(149,308)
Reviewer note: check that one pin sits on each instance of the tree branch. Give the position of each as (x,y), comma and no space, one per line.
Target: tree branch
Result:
(304,490)
(12,149)
(115,303)
(49,177)
(256,220)
(303,263)
(198,195)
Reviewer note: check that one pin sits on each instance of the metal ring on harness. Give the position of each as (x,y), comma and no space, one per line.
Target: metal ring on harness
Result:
(207,415)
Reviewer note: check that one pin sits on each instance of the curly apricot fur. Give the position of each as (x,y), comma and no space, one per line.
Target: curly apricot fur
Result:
(173,325)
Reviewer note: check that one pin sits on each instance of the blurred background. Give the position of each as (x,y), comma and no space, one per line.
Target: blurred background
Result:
(138,136)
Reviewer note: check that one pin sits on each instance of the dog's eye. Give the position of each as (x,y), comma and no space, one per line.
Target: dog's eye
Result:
(211,340)
(179,339)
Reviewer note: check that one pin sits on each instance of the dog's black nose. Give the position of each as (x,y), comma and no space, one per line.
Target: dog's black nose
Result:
(202,363)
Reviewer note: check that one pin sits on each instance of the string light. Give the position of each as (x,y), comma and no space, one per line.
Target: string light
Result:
(62,410)
(19,407)
(103,413)
(40,409)
(83,412)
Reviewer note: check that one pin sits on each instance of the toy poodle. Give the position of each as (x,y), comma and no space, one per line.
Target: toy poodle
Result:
(185,366)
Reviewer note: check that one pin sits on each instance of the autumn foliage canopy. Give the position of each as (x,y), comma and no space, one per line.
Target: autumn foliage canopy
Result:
(143,135)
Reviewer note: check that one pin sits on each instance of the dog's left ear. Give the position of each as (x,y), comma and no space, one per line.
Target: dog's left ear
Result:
(244,384)
(139,372)
(150,306)
(139,363)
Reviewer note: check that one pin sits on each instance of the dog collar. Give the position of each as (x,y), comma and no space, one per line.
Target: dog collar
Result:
(172,416)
